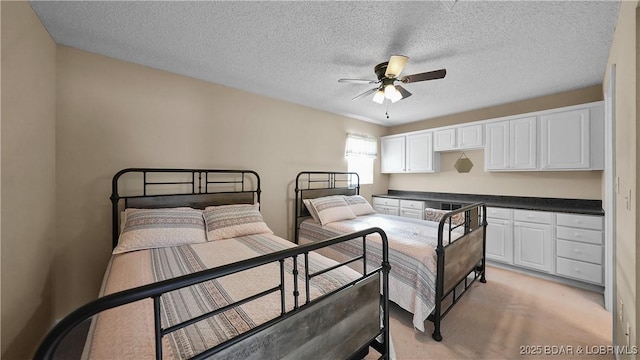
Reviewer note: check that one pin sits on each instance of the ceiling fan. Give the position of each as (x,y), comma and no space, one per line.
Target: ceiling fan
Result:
(387,73)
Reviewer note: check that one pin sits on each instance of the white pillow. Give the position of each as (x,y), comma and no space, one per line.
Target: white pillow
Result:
(230,221)
(332,208)
(359,205)
(311,209)
(155,228)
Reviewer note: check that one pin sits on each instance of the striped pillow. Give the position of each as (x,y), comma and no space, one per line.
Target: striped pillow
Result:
(229,221)
(437,214)
(154,228)
(332,208)
(312,211)
(359,205)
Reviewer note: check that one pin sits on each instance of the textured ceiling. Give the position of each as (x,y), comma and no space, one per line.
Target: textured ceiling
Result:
(495,52)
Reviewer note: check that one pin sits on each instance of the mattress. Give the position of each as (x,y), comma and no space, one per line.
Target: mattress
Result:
(127,331)
(412,256)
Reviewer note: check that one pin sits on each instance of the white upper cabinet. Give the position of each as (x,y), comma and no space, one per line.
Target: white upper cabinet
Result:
(511,145)
(496,152)
(458,138)
(420,152)
(445,139)
(393,154)
(412,152)
(522,144)
(470,137)
(566,140)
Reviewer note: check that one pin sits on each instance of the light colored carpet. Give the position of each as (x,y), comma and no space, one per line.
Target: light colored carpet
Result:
(510,313)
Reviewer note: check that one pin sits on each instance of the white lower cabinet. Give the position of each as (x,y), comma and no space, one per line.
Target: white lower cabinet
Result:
(565,245)
(386,205)
(412,209)
(579,247)
(500,235)
(533,246)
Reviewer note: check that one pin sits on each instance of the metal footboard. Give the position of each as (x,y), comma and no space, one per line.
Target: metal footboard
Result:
(300,313)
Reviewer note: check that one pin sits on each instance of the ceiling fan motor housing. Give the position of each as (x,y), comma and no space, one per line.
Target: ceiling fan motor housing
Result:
(380,70)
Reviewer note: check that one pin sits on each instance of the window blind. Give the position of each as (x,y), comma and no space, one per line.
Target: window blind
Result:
(361,146)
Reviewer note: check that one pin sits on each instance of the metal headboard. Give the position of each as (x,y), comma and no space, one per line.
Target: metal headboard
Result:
(196,188)
(314,184)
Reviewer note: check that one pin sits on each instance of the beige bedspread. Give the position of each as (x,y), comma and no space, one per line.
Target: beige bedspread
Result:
(127,332)
(412,243)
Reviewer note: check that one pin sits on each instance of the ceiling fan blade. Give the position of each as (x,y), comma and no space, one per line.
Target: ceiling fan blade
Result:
(405,94)
(429,75)
(357,81)
(370,91)
(395,66)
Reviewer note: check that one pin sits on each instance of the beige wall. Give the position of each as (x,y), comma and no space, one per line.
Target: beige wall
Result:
(112,114)
(28,178)
(624,52)
(566,184)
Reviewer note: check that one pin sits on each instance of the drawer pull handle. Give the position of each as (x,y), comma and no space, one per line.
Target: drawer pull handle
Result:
(576,270)
(578,222)
(577,251)
(577,235)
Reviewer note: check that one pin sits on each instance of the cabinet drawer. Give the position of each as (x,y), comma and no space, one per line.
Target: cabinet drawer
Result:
(385,201)
(589,236)
(499,213)
(579,270)
(412,213)
(579,251)
(412,204)
(533,216)
(581,221)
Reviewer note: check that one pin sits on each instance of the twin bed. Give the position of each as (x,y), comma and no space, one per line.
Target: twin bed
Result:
(433,262)
(196,273)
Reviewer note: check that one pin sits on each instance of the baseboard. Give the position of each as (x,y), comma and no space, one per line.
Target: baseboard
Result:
(578,284)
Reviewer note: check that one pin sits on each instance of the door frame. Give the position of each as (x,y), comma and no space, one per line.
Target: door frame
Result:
(610,190)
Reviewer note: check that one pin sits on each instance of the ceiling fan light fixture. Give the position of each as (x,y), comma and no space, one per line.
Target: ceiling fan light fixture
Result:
(395,66)
(391,93)
(396,97)
(379,97)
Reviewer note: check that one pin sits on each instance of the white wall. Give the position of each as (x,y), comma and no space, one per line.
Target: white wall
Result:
(112,115)
(28,178)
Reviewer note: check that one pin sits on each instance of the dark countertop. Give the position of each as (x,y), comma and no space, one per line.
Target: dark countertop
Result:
(575,206)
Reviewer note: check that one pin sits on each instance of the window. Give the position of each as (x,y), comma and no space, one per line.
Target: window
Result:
(360,151)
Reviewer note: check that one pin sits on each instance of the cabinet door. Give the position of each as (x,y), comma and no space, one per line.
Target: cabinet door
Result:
(500,240)
(412,209)
(389,210)
(522,134)
(533,246)
(445,140)
(420,152)
(392,158)
(565,140)
(496,151)
(470,137)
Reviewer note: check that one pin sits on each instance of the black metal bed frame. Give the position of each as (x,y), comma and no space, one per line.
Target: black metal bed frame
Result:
(474,215)
(199,196)
(154,291)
